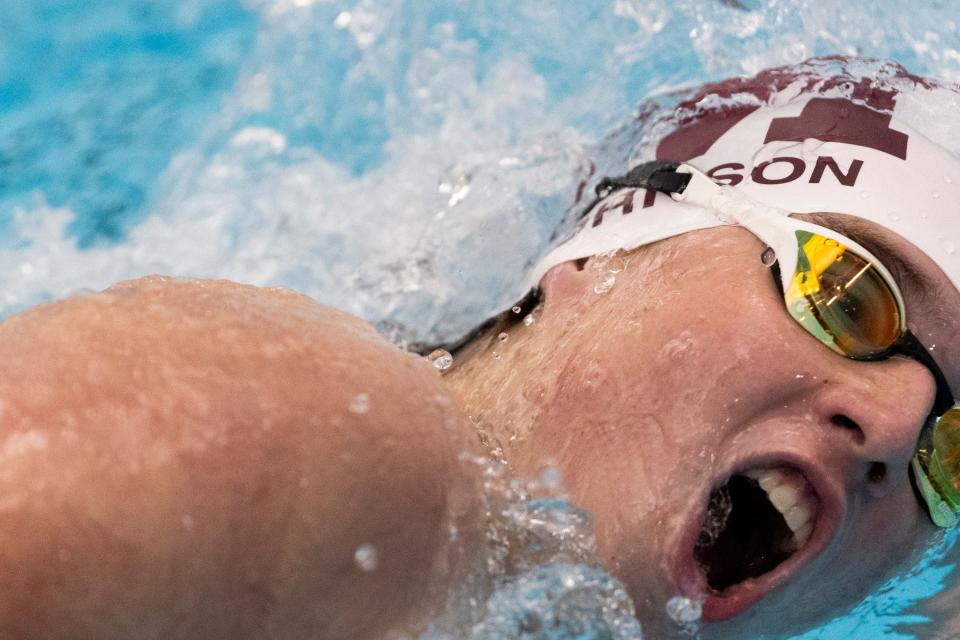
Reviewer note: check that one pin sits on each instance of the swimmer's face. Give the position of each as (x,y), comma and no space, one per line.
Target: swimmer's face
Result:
(687,372)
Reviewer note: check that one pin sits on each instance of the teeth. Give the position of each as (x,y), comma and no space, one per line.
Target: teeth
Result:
(792,496)
(769,480)
(797,517)
(784,497)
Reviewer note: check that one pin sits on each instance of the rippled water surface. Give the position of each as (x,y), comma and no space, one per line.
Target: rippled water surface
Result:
(381,156)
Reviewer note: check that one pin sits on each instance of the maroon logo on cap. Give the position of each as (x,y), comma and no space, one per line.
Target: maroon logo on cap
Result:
(839,120)
(698,128)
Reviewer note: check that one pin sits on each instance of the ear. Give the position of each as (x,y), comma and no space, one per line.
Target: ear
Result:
(565,284)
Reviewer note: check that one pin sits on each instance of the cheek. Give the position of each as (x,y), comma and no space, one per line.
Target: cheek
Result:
(887,536)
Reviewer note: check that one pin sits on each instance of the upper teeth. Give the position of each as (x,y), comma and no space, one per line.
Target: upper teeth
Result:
(793,497)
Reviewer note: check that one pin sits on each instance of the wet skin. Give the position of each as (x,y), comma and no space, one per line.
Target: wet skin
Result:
(688,369)
(180,460)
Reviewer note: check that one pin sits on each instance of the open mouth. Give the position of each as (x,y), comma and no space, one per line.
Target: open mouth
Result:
(755,522)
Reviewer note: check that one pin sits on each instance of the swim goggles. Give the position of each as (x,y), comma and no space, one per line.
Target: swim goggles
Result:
(842,295)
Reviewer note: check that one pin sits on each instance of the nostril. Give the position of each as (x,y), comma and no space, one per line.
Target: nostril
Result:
(876,472)
(846,423)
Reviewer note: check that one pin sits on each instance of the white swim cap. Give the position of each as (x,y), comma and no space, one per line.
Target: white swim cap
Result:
(805,147)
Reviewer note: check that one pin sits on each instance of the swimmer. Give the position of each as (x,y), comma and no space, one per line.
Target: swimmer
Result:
(738,361)
(763,326)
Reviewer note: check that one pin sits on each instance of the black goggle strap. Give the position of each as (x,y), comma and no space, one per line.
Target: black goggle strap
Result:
(910,346)
(659,175)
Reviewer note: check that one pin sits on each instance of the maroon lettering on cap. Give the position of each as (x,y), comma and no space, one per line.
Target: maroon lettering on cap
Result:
(847,179)
(797,167)
(625,203)
(839,120)
(730,179)
(649,198)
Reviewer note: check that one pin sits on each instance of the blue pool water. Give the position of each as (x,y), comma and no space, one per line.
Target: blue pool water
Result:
(377,154)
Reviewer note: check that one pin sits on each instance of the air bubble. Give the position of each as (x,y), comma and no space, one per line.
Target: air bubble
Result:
(517,309)
(528,321)
(365,557)
(503,337)
(496,355)
(769,257)
(935,195)
(441,359)
(360,403)
(684,610)
(948,245)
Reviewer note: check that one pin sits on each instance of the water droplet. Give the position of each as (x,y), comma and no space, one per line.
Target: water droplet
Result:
(344,18)
(924,214)
(186,521)
(528,320)
(360,403)
(503,337)
(441,359)
(459,195)
(551,478)
(517,309)
(496,356)
(935,195)
(606,285)
(948,179)
(769,257)
(948,245)
(683,610)
(894,216)
(366,557)
(864,195)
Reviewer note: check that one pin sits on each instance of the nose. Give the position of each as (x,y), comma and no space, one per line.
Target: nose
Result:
(879,409)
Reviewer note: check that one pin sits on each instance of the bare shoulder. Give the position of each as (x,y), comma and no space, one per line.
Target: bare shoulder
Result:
(207,459)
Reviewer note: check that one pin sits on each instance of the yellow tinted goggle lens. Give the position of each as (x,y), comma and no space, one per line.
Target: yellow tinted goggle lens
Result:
(842,299)
(936,466)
